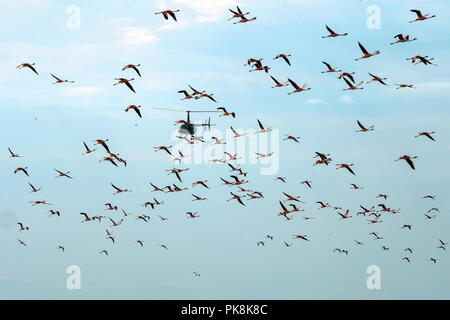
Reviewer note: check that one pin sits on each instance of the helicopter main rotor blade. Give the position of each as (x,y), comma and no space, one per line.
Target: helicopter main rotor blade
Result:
(167,109)
(202,111)
(177,110)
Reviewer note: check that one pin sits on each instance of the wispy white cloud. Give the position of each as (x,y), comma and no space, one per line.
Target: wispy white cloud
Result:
(84,91)
(206,19)
(315,101)
(120,20)
(208,10)
(26,2)
(346,99)
(434,86)
(136,36)
(174,25)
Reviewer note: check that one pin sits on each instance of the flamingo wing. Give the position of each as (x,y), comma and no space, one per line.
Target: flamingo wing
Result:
(362,48)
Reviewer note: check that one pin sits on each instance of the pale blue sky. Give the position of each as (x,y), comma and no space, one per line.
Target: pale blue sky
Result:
(206,51)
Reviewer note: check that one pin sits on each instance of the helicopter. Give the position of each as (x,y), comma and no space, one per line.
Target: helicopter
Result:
(187,127)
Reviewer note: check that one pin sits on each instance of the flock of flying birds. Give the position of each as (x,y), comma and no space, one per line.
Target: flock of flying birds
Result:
(290,204)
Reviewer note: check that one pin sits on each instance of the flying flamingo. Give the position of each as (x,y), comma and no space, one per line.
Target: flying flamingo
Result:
(27,65)
(299,236)
(330,69)
(285,210)
(218,140)
(345,166)
(208,95)
(186,95)
(53,213)
(238,182)
(116,224)
(22,243)
(155,188)
(37,202)
(87,148)
(308,183)
(287,244)
(167,13)
(288,137)
(255,195)
(365,210)
(260,68)
(201,182)
(24,170)
(400,86)
(348,75)
(197,198)
(284,57)
(297,88)
(279,84)
(102,143)
(236,197)
(13,155)
(192,215)
(420,16)
(135,108)
(291,198)
(346,215)
(295,208)
(422,59)
(253,60)
(352,86)
(366,54)
(263,155)
(166,149)
(262,129)
(62,174)
(22,227)
(401,39)
(408,159)
(226,113)
(363,128)
(110,159)
(134,67)
(126,81)
(376,220)
(333,34)
(86,217)
(232,157)
(323,205)
(244,20)
(58,80)
(236,134)
(177,172)
(33,189)
(118,190)
(237,14)
(377,79)
(426,134)
(110,206)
